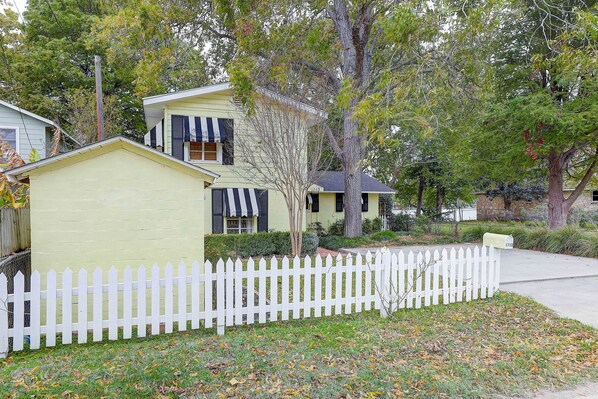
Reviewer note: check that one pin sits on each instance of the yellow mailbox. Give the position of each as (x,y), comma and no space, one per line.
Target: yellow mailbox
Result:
(500,241)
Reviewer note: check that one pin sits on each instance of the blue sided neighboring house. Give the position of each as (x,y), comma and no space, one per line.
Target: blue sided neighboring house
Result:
(24,130)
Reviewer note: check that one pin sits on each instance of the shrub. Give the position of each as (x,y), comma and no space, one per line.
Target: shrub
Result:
(337,228)
(317,228)
(384,235)
(400,222)
(337,242)
(257,244)
(370,226)
(569,240)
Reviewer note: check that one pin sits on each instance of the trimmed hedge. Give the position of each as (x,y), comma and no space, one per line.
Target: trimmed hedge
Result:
(256,244)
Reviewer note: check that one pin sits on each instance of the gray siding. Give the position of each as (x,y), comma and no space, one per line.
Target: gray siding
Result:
(32,132)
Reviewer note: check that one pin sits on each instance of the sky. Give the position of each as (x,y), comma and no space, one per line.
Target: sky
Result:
(21,5)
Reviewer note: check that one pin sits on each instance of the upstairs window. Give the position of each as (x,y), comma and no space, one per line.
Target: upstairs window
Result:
(208,152)
(9,135)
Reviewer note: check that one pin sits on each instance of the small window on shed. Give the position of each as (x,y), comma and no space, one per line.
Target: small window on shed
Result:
(595,195)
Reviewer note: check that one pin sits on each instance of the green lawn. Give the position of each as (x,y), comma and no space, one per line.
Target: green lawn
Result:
(506,345)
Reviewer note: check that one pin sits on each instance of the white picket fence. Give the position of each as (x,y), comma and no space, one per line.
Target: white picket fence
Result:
(297,288)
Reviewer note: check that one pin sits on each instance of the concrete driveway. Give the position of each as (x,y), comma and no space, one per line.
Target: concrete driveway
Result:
(567,284)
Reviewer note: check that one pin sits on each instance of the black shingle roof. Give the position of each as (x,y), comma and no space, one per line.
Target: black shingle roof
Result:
(334,182)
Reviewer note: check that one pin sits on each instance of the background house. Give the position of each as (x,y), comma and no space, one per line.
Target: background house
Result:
(494,208)
(325,201)
(200,126)
(114,203)
(24,130)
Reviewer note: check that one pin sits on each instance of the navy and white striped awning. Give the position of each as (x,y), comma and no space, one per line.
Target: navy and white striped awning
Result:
(155,137)
(241,202)
(203,129)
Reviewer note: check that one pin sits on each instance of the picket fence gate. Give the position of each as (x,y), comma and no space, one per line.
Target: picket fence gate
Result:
(289,288)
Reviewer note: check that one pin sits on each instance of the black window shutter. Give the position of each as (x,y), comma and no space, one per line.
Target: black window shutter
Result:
(177,137)
(262,219)
(364,203)
(339,202)
(315,204)
(217,211)
(228,146)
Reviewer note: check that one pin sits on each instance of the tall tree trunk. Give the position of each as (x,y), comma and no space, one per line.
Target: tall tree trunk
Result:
(439,201)
(352,164)
(420,195)
(557,214)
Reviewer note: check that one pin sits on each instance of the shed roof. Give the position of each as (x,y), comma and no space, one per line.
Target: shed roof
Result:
(334,182)
(118,142)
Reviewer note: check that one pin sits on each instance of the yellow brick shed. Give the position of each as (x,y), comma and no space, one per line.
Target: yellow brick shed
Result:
(115,203)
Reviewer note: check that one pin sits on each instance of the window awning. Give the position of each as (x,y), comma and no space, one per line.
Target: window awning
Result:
(203,129)
(155,137)
(241,202)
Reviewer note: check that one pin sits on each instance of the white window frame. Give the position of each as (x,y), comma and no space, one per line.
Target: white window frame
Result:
(17,137)
(252,219)
(218,161)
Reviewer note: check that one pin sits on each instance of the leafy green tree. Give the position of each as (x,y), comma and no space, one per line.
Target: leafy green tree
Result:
(545,114)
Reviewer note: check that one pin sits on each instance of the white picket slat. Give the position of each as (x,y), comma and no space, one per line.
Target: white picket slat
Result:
(318,287)
(410,281)
(168,299)
(155,308)
(338,297)
(229,289)
(82,307)
(436,278)
(195,293)
(368,268)
(428,279)
(378,280)
(483,274)
(67,307)
(419,263)
(35,311)
(328,287)
(445,278)
(296,287)
(250,291)
(238,304)
(274,289)
(220,297)
(141,302)
(358,282)
(468,274)
(19,312)
(3,317)
(453,276)
(460,276)
(182,296)
(402,271)
(348,283)
(112,304)
(262,291)
(394,282)
(207,300)
(490,272)
(285,289)
(98,299)
(307,286)
(476,272)
(127,303)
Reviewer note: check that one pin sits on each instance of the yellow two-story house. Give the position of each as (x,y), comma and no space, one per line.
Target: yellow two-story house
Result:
(201,125)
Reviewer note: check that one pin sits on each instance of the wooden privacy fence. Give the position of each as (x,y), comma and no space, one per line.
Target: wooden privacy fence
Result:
(234,293)
(15,230)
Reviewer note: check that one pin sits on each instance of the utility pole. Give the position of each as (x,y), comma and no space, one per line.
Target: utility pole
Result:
(99,99)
